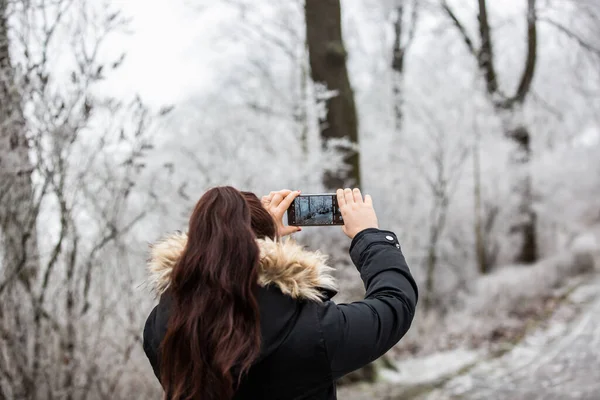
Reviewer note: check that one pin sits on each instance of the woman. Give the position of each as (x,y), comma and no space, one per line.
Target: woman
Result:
(243,315)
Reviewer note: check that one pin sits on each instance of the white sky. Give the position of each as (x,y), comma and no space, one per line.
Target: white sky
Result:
(169,52)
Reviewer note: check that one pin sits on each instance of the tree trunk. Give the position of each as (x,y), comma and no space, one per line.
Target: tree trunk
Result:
(17,221)
(303,112)
(480,247)
(69,339)
(430,275)
(404,34)
(327,56)
(439,212)
(509,109)
(523,228)
(398,68)
(18,218)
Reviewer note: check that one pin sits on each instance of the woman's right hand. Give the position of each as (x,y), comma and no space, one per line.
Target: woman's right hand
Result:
(277,203)
(358,214)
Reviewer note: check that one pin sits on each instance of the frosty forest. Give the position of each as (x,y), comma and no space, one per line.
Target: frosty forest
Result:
(474,124)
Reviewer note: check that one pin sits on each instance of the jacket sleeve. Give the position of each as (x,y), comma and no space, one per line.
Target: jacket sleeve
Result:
(149,342)
(358,333)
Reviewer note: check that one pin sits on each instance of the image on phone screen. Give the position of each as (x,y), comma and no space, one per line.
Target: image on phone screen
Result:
(316,210)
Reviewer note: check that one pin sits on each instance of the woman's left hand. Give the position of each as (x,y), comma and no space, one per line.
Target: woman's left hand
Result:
(277,203)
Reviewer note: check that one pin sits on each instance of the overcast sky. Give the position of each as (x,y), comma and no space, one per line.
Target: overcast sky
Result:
(169,52)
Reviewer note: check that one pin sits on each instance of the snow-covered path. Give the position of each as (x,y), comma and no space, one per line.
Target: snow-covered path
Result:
(562,362)
(559,361)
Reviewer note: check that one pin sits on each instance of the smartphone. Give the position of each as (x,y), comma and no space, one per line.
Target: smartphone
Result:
(315,210)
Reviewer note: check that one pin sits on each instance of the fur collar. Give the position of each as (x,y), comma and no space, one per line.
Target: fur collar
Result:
(298,273)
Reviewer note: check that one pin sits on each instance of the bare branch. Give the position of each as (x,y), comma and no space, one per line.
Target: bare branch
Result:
(270,37)
(531,59)
(46,135)
(401,48)
(55,252)
(572,35)
(461,29)
(486,53)
(558,113)
(112,235)
(414,17)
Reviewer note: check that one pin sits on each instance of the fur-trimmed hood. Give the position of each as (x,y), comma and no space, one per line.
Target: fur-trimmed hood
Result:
(298,273)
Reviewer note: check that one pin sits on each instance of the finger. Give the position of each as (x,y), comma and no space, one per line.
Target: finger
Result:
(284,192)
(340,197)
(287,201)
(276,200)
(357,196)
(265,200)
(369,200)
(348,196)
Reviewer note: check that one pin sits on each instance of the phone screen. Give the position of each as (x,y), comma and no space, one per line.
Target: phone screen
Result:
(315,210)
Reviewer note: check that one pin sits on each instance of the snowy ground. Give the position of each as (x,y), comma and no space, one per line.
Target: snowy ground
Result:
(558,361)
(561,362)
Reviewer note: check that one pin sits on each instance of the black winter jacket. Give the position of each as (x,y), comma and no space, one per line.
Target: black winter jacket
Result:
(308,341)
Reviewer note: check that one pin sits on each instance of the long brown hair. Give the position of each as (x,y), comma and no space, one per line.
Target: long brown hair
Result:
(213,335)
